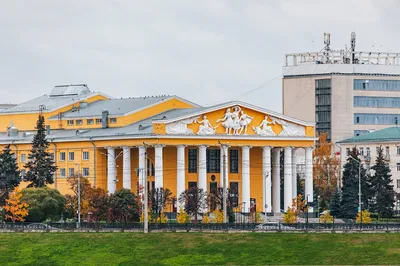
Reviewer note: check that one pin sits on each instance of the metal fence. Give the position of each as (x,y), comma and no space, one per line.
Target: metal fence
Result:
(199,227)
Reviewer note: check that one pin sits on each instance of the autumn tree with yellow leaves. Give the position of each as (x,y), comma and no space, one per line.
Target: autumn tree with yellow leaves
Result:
(16,210)
(325,170)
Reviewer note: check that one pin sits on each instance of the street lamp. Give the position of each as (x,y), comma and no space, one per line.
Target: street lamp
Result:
(79,195)
(359,185)
(265,213)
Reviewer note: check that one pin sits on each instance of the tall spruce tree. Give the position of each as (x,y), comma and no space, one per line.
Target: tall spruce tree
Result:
(350,185)
(381,188)
(40,165)
(9,174)
(335,205)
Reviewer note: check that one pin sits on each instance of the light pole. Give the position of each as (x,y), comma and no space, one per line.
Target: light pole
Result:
(79,195)
(359,185)
(265,213)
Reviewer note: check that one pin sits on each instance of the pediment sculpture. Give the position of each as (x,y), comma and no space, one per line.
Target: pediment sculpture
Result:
(180,127)
(235,122)
(205,128)
(265,129)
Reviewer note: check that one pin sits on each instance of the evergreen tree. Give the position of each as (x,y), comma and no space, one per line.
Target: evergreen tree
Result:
(9,174)
(350,188)
(40,165)
(334,205)
(383,194)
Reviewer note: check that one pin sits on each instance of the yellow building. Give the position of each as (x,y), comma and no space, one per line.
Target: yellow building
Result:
(108,141)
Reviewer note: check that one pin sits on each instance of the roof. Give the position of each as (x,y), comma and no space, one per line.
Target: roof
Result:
(383,135)
(64,90)
(115,107)
(50,103)
(347,69)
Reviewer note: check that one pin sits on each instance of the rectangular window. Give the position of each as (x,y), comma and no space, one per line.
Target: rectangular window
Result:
(398,150)
(52,156)
(98,120)
(323,107)
(387,151)
(71,156)
(85,171)
(71,172)
(23,173)
(79,122)
(234,161)
(70,122)
(375,119)
(234,193)
(347,152)
(113,120)
(85,155)
(377,85)
(62,156)
(368,151)
(360,132)
(213,160)
(89,121)
(62,172)
(398,183)
(22,158)
(192,162)
(398,167)
(376,102)
(192,184)
(362,151)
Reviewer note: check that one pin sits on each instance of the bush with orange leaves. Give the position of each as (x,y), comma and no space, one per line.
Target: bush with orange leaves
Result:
(16,210)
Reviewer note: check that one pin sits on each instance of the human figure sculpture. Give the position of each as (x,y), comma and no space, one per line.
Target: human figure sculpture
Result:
(245,121)
(227,121)
(206,128)
(236,120)
(264,129)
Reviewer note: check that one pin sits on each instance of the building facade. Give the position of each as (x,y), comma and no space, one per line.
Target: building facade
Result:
(367,144)
(176,143)
(346,94)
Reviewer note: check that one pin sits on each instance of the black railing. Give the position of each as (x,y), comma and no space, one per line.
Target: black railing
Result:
(200,227)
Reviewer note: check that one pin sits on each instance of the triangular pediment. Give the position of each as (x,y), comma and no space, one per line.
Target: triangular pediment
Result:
(235,118)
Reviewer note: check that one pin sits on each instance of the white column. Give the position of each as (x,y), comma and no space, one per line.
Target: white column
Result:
(158,167)
(224,151)
(142,168)
(202,183)
(246,178)
(276,181)
(267,195)
(287,182)
(294,173)
(111,171)
(309,195)
(126,168)
(180,170)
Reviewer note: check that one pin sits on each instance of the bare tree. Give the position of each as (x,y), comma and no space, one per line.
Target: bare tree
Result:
(158,198)
(194,200)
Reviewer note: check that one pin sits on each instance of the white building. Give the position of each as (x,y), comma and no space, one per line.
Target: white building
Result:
(347,93)
(367,144)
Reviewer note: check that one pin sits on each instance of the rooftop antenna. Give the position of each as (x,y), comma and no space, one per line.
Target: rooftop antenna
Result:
(327,48)
(353,46)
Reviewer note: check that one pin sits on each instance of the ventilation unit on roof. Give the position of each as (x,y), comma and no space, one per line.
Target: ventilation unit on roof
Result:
(69,90)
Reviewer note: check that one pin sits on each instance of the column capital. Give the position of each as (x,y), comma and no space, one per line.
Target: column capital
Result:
(288,148)
(247,147)
(126,147)
(158,145)
(181,146)
(266,147)
(202,146)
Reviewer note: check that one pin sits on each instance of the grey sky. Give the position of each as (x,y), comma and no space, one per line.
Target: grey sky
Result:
(205,51)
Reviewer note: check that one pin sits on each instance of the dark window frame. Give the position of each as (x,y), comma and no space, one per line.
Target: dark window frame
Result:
(234,161)
(213,160)
(192,160)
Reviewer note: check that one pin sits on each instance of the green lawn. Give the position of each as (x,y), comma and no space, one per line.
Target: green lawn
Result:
(197,248)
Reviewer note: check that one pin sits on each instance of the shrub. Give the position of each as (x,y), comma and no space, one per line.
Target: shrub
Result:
(290,216)
(365,215)
(182,217)
(326,218)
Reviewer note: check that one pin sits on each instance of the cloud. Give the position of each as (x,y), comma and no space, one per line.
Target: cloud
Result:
(205,51)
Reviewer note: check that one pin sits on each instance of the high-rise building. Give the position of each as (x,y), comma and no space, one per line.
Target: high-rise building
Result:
(346,92)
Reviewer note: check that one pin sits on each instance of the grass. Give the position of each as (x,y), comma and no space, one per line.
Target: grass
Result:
(197,248)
